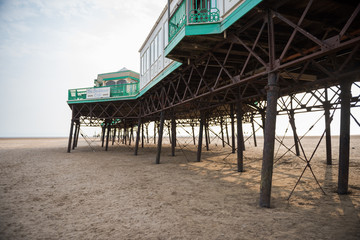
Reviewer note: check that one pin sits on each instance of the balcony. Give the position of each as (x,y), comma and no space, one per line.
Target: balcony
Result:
(193,12)
(107,92)
(196,26)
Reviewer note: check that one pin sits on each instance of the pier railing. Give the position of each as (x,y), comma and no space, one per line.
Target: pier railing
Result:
(120,90)
(199,11)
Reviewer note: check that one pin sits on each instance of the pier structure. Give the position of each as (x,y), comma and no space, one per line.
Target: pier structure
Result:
(222,63)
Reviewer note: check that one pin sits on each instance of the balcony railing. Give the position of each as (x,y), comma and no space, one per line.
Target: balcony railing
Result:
(177,21)
(203,11)
(120,90)
(200,11)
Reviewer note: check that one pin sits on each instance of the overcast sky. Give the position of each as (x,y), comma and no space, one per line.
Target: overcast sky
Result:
(50,46)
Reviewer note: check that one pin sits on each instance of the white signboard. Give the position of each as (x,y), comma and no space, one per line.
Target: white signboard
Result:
(103,92)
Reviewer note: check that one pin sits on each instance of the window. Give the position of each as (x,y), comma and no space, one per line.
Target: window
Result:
(147,59)
(161,48)
(156,44)
(152,52)
(166,32)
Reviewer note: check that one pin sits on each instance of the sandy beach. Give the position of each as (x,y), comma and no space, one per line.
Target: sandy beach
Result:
(47,193)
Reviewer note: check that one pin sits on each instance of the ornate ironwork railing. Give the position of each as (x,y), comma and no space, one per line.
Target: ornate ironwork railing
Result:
(200,11)
(203,11)
(120,90)
(178,20)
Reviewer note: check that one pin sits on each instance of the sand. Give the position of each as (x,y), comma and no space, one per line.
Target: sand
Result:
(46,193)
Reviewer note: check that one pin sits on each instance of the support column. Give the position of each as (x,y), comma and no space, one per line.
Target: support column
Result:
(114,136)
(103,134)
(262,113)
(227,131)
(206,134)
(77,125)
(142,135)
(253,130)
(155,128)
(240,138)
(269,140)
(327,129)
(137,137)
(201,130)
(222,131)
(161,130)
(108,136)
(232,128)
(70,135)
(344,152)
(125,132)
(169,132)
(293,127)
(119,131)
(131,134)
(173,135)
(193,133)
(77,135)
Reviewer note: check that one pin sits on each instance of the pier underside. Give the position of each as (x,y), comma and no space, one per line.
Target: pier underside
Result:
(282,57)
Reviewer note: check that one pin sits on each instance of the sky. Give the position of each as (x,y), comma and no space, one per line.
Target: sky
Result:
(50,46)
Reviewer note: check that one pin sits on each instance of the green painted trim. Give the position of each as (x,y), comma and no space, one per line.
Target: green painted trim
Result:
(103,99)
(116,78)
(178,37)
(202,29)
(238,13)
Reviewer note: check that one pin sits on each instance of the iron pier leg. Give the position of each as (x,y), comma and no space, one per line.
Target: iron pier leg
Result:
(155,128)
(344,152)
(107,136)
(173,135)
(327,129)
(122,135)
(262,113)
(169,131)
(293,127)
(131,134)
(222,131)
(142,135)
(114,135)
(240,137)
(201,130)
(119,131)
(125,132)
(77,125)
(137,137)
(103,135)
(253,130)
(232,128)
(70,135)
(193,133)
(161,130)
(227,131)
(269,140)
(147,132)
(206,134)
(77,135)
